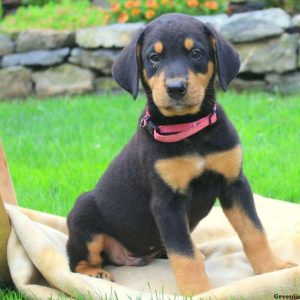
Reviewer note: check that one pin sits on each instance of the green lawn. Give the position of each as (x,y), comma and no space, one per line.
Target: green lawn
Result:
(10,295)
(58,148)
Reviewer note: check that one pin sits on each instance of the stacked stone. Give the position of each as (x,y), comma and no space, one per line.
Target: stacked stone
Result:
(269,54)
(47,62)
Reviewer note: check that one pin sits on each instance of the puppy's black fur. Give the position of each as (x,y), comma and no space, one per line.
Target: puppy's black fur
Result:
(140,201)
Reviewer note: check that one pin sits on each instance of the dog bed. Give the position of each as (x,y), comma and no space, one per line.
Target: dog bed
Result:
(38,265)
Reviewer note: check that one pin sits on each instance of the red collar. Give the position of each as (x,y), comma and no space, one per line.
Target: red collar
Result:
(177,132)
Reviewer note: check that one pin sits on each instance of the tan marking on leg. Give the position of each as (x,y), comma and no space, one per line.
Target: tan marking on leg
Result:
(95,248)
(85,268)
(189,44)
(158,47)
(177,172)
(255,243)
(92,267)
(190,273)
(227,163)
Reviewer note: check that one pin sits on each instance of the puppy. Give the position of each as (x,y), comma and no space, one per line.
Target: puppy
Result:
(184,154)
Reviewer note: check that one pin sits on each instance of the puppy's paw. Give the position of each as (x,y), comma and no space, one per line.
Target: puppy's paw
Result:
(274,265)
(192,290)
(285,265)
(98,273)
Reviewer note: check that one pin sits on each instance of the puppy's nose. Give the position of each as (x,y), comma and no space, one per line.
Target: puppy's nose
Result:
(176,88)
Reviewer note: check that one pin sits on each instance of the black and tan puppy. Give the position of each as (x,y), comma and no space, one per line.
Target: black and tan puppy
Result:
(184,154)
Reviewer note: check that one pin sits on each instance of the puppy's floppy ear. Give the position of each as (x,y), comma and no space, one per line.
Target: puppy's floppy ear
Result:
(228,62)
(126,69)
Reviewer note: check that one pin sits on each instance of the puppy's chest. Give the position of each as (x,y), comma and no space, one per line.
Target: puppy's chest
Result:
(177,172)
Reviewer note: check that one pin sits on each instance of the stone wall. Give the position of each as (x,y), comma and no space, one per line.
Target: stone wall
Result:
(51,62)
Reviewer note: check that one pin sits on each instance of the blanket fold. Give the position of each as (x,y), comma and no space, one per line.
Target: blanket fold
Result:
(38,264)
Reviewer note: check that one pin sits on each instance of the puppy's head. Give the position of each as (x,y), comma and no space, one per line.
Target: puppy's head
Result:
(176,57)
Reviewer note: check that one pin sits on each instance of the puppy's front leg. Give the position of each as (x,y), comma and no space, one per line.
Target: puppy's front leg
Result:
(238,205)
(186,261)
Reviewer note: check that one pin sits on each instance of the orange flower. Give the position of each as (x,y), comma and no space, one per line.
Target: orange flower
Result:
(192,3)
(135,11)
(211,5)
(106,19)
(150,14)
(115,7)
(152,4)
(164,2)
(123,18)
(137,3)
(130,4)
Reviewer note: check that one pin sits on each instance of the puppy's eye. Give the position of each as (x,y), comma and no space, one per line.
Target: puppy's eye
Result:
(196,54)
(154,58)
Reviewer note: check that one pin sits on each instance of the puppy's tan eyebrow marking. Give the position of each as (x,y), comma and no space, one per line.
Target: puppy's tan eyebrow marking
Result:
(158,47)
(189,44)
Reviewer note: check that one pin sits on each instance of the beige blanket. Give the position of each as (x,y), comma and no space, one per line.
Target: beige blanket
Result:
(38,263)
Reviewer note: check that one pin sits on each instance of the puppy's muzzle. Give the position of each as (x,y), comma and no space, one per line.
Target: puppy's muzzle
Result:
(176,88)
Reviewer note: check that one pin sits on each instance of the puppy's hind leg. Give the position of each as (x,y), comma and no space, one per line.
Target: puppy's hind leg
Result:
(84,247)
(85,257)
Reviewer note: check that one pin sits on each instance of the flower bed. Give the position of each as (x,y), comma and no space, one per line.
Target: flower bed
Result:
(134,11)
(74,14)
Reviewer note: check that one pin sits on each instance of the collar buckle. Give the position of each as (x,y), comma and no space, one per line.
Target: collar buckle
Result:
(148,125)
(210,116)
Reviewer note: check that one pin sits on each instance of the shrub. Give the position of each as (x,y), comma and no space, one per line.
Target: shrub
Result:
(137,10)
(288,5)
(74,14)
(44,2)
(38,2)
(67,15)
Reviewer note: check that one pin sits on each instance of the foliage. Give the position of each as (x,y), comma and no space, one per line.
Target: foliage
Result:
(74,14)
(38,2)
(288,5)
(138,10)
(67,15)
(1,9)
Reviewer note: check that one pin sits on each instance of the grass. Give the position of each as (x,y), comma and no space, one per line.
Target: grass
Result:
(67,14)
(9,294)
(58,148)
